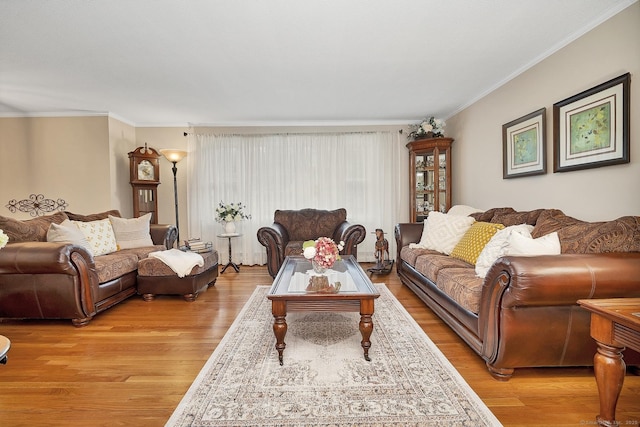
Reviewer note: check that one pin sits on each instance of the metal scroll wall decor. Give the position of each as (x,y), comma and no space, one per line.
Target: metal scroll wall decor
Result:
(36,205)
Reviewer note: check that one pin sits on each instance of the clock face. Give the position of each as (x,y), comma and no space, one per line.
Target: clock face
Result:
(146,171)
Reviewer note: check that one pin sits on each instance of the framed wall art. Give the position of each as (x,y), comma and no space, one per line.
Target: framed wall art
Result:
(524,145)
(591,129)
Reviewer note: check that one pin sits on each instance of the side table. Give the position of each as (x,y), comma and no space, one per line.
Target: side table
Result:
(615,324)
(230,236)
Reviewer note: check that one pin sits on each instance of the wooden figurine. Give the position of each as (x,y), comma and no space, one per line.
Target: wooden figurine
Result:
(383,264)
(382,247)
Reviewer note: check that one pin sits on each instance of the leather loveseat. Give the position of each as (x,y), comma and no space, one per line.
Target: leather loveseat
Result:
(47,280)
(291,228)
(524,312)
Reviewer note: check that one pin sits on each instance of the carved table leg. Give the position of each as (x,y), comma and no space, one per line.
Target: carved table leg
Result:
(366,326)
(609,370)
(279,310)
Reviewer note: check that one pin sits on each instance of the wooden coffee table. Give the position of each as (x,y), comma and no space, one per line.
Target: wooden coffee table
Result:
(288,294)
(615,325)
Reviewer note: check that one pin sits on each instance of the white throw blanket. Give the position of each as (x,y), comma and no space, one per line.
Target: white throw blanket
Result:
(180,262)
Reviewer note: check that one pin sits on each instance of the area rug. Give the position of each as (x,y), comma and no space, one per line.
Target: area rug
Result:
(325,380)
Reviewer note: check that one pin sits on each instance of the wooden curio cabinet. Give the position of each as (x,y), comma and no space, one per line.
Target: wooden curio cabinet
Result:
(429,177)
(144,176)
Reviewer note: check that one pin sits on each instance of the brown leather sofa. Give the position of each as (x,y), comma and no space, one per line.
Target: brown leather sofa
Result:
(45,280)
(524,312)
(291,228)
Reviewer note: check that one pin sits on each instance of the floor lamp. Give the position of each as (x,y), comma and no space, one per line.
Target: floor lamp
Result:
(174,156)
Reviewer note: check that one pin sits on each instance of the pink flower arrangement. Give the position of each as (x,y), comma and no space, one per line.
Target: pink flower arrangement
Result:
(323,251)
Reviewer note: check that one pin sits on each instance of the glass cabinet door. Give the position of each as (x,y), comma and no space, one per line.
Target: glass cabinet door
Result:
(429,177)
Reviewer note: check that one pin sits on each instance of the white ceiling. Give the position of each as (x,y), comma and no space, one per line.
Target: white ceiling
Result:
(274,62)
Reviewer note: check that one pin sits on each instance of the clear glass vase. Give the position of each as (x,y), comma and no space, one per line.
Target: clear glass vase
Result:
(317,268)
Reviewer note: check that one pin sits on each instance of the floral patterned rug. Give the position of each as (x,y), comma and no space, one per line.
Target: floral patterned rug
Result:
(325,380)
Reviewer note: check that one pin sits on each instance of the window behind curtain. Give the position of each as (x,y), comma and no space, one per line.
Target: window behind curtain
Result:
(357,171)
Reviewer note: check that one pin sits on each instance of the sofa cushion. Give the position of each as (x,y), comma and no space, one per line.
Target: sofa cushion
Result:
(515,218)
(430,265)
(293,248)
(156,268)
(100,236)
(67,231)
(442,232)
(619,235)
(132,232)
(409,255)
(309,224)
(474,240)
(113,265)
(497,247)
(462,285)
(486,216)
(93,217)
(30,230)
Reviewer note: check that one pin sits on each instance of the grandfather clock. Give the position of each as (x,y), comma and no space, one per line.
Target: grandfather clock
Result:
(144,176)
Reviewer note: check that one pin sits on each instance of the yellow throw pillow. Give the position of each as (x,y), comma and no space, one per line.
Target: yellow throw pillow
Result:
(474,240)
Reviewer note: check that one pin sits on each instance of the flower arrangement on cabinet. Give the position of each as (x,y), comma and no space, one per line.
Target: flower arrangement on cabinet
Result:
(324,251)
(430,127)
(4,239)
(231,212)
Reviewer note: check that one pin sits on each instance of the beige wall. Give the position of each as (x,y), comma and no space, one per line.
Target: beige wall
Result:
(59,157)
(608,51)
(122,140)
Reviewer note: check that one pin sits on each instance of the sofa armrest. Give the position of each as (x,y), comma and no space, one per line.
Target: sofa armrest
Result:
(274,238)
(43,258)
(164,234)
(548,288)
(352,235)
(405,233)
(47,279)
(562,279)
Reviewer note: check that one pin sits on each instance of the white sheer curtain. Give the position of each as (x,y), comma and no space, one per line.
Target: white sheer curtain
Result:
(356,171)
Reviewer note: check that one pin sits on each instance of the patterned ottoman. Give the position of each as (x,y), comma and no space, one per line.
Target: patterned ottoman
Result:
(157,278)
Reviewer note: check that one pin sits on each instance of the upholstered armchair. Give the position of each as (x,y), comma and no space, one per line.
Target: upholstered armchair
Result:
(291,228)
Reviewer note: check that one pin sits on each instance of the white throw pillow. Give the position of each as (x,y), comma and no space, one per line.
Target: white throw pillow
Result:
(497,247)
(462,210)
(100,236)
(442,232)
(549,244)
(132,233)
(68,232)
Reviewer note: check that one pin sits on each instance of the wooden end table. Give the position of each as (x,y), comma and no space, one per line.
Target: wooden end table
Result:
(615,324)
(288,294)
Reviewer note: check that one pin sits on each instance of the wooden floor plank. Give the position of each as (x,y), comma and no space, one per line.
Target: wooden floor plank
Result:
(134,362)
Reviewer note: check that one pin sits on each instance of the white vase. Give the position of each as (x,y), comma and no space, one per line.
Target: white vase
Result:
(230,227)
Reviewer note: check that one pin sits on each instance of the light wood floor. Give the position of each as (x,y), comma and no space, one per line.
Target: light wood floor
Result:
(133,363)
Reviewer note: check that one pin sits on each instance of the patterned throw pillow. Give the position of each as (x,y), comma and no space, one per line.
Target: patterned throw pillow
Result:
(132,233)
(30,230)
(442,232)
(100,236)
(474,240)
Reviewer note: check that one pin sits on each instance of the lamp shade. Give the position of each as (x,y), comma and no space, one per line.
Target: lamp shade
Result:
(172,155)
